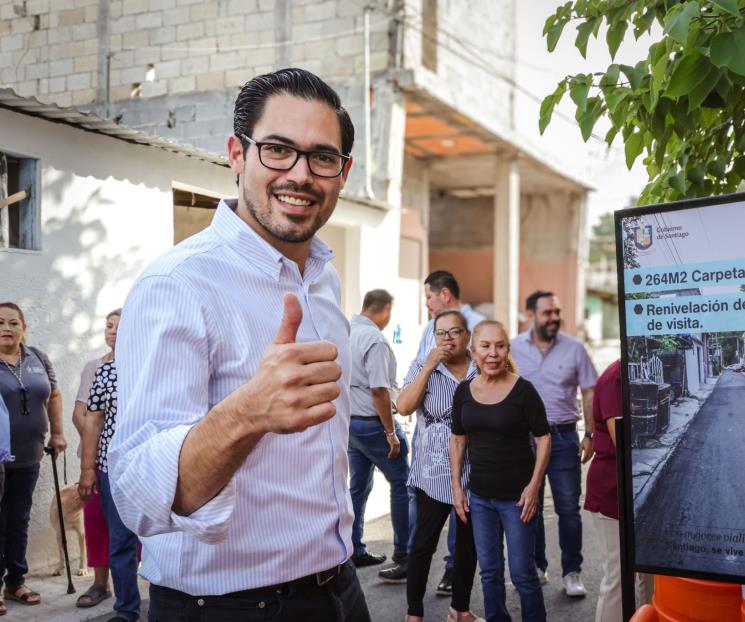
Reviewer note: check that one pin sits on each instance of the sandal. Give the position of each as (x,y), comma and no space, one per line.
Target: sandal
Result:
(22,594)
(94,595)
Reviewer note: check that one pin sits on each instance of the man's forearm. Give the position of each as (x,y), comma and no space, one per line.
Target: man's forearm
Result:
(212,452)
(382,401)
(587,395)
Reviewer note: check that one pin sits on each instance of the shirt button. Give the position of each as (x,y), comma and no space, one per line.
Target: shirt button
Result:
(262,604)
(200,602)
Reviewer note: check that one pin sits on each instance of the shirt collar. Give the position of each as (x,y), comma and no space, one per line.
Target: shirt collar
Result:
(250,245)
(446,372)
(528,336)
(361,319)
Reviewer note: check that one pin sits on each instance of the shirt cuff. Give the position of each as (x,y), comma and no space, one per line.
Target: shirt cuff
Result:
(145,487)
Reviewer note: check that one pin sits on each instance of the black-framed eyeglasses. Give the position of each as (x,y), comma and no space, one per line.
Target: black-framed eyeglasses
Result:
(24,401)
(281,157)
(454,332)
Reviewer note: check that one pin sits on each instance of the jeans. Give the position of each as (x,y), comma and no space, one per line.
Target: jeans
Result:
(431,517)
(368,448)
(493,521)
(15,513)
(122,555)
(565,475)
(341,600)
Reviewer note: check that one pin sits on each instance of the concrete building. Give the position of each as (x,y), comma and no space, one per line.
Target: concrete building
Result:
(442,178)
(101,203)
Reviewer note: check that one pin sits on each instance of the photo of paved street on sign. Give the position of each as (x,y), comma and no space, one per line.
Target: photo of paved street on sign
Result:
(686,503)
(685,374)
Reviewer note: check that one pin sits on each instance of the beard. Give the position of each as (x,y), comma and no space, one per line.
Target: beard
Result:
(301,230)
(548,331)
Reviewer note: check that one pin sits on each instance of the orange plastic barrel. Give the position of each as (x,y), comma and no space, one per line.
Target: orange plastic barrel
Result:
(690,600)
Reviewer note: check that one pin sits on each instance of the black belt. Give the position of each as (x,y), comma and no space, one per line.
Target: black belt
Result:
(363,418)
(317,579)
(563,427)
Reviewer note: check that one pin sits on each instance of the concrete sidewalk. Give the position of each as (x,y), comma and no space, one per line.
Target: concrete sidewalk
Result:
(59,606)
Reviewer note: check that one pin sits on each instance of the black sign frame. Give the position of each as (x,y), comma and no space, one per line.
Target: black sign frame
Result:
(626,500)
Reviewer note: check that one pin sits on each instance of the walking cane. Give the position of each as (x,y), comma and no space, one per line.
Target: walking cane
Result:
(70,586)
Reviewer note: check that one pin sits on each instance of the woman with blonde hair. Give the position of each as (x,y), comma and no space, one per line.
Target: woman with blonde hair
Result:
(494,415)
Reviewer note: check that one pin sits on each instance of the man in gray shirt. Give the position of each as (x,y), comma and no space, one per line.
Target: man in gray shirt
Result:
(375,439)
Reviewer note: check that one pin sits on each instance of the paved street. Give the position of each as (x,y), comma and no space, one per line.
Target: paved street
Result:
(387,602)
(709,458)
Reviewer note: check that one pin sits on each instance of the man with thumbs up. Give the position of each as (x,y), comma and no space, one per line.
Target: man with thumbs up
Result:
(230,454)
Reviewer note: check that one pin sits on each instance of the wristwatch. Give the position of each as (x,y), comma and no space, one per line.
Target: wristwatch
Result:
(588,434)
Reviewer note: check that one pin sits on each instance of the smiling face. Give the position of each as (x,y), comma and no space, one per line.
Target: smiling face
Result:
(491,349)
(546,317)
(286,208)
(112,325)
(12,330)
(445,336)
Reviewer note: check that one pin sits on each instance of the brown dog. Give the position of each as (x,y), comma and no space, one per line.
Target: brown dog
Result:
(72,512)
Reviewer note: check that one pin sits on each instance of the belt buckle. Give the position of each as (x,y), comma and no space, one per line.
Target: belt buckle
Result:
(322,578)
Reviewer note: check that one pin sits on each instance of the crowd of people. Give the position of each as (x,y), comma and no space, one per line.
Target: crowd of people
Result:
(219,428)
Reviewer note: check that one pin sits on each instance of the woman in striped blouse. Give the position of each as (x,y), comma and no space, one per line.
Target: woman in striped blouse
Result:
(430,387)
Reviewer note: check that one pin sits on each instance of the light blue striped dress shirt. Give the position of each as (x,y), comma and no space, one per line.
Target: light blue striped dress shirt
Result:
(193,330)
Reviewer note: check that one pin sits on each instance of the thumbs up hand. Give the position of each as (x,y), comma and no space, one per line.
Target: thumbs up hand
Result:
(295,384)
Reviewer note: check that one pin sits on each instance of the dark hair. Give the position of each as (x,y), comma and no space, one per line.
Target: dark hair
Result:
(458,314)
(15,307)
(117,312)
(442,278)
(376,300)
(249,105)
(531,302)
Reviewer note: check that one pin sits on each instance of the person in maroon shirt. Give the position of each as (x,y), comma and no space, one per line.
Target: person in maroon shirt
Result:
(601,498)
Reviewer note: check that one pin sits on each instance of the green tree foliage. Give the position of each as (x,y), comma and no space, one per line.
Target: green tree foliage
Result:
(682,108)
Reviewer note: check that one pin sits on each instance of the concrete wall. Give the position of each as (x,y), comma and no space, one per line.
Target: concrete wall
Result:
(475,58)
(107,211)
(549,251)
(174,66)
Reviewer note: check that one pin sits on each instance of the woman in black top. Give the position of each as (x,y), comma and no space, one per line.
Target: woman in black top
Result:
(494,416)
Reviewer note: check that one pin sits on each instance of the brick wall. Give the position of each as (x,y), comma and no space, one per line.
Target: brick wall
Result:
(58,50)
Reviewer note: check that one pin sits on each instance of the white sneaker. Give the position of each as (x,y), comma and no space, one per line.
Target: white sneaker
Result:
(542,576)
(573,585)
(467,616)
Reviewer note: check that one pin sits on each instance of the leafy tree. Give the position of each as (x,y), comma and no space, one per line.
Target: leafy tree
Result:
(682,107)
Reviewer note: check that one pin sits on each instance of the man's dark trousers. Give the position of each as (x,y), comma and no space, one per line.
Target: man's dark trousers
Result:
(339,600)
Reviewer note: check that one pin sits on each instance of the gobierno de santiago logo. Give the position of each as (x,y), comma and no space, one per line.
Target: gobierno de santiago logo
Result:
(645,235)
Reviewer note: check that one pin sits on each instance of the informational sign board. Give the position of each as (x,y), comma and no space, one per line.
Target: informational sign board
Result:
(681,286)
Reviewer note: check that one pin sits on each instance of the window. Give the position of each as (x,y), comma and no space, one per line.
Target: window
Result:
(19,203)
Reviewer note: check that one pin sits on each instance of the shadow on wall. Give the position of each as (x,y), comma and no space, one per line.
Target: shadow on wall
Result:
(83,271)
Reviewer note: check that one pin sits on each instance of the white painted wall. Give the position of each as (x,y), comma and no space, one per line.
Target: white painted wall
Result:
(107,211)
